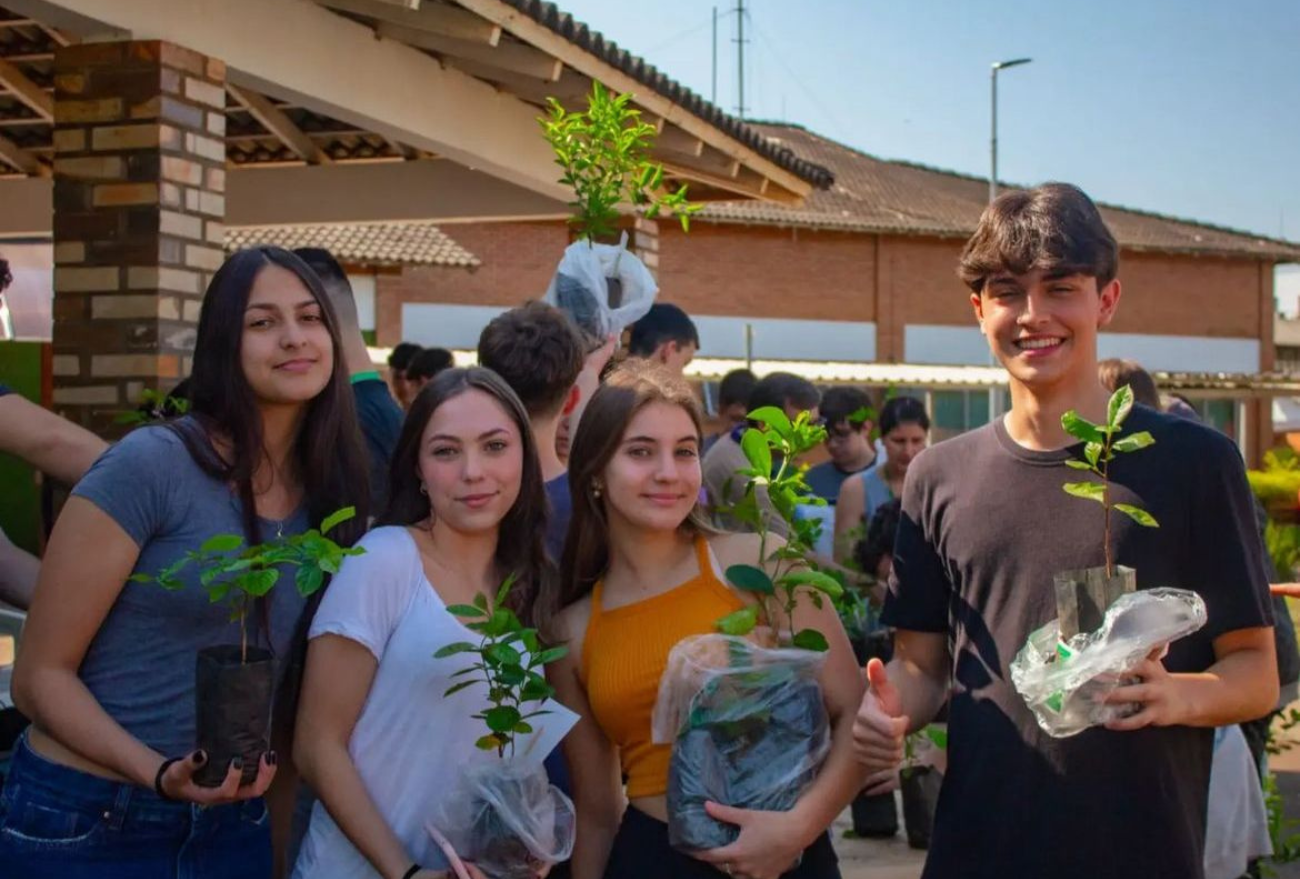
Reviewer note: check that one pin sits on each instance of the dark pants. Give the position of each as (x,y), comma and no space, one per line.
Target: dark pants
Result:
(641,851)
(61,823)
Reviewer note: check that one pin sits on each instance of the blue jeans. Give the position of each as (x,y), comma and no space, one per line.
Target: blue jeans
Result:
(60,822)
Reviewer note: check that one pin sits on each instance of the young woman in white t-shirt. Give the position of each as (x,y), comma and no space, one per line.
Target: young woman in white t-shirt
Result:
(376,739)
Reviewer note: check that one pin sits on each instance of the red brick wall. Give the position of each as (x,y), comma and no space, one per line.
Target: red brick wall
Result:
(1190,296)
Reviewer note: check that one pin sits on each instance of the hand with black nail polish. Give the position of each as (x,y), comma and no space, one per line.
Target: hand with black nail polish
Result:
(176,781)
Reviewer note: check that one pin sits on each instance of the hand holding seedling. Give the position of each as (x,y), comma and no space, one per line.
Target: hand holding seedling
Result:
(177,781)
(880,729)
(769,843)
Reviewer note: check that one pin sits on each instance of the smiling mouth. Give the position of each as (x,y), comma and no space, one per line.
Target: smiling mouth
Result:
(476,500)
(298,365)
(1040,343)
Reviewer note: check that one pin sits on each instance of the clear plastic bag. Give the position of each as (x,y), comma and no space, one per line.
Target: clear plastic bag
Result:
(580,287)
(507,819)
(748,728)
(1066,685)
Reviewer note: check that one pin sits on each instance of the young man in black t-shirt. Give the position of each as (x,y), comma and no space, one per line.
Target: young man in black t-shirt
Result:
(985,527)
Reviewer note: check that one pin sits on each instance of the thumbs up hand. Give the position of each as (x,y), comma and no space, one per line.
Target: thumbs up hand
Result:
(879,729)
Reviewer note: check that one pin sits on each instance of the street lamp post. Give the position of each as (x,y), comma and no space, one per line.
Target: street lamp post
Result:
(993,143)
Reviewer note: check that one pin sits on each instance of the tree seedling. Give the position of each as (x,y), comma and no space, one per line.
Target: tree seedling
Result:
(781,575)
(233,572)
(1102,443)
(154,406)
(509,659)
(603,152)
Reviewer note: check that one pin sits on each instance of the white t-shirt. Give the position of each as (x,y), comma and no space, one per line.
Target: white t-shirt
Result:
(409,744)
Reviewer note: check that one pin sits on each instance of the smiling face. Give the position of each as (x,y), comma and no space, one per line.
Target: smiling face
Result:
(471,462)
(653,480)
(285,350)
(1043,327)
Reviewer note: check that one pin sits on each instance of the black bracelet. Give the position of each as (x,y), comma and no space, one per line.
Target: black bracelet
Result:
(411,871)
(157,780)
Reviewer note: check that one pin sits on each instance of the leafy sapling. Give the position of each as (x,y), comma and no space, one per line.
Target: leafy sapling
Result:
(1102,442)
(781,575)
(233,572)
(509,659)
(603,152)
(154,406)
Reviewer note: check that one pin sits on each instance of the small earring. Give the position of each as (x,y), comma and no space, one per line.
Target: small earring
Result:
(595,491)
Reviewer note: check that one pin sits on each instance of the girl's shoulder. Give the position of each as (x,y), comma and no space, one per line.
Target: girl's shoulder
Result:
(570,624)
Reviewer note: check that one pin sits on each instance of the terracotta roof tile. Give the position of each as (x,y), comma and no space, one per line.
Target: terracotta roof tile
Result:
(380,244)
(879,195)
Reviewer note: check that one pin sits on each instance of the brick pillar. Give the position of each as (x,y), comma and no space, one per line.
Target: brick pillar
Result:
(645,243)
(139,204)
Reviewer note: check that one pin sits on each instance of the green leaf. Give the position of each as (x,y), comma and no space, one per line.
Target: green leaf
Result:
(1081,428)
(938,736)
(1142,517)
(740,622)
(1092,451)
(480,601)
(222,543)
(522,728)
(490,743)
(536,689)
(511,675)
(453,649)
(502,654)
(465,611)
(1078,465)
(502,620)
(774,418)
(501,718)
(816,579)
(550,655)
(336,518)
(308,579)
(748,578)
(1133,442)
(504,590)
(257,583)
(1121,403)
(757,451)
(456,688)
(811,639)
(1093,491)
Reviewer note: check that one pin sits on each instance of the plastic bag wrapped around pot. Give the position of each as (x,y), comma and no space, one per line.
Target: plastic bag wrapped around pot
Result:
(1066,685)
(748,728)
(580,287)
(507,819)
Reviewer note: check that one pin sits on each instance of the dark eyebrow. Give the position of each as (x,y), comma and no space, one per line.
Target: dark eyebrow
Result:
(446,436)
(266,306)
(650,439)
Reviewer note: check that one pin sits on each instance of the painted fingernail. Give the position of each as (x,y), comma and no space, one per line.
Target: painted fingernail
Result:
(200,757)
(237,763)
(271,758)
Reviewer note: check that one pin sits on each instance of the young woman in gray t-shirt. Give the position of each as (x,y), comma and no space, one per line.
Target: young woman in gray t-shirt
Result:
(102,785)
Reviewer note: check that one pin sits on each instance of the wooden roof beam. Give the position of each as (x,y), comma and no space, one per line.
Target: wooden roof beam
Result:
(22,160)
(748,183)
(512,57)
(708,161)
(272,118)
(672,138)
(570,88)
(26,91)
(438,19)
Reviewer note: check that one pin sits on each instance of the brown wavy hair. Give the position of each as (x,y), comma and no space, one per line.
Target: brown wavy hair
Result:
(521,547)
(631,387)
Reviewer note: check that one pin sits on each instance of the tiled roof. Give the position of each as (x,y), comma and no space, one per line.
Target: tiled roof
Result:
(548,15)
(378,244)
(879,195)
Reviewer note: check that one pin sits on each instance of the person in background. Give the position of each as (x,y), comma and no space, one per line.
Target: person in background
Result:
(734,392)
(665,335)
(1115,373)
(426,364)
(102,783)
(783,390)
(398,360)
(846,411)
(377,412)
(904,431)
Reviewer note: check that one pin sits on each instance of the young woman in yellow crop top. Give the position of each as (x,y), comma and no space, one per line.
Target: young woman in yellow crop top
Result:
(640,572)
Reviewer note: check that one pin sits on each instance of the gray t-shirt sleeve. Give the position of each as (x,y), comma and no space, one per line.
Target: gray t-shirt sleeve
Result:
(130,482)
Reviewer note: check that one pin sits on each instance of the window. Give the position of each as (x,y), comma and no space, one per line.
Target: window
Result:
(954,412)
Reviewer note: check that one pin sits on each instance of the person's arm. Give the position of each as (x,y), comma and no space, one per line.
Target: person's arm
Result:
(593,768)
(49,443)
(849,509)
(770,842)
(74,593)
(335,686)
(18,572)
(589,380)
(1240,686)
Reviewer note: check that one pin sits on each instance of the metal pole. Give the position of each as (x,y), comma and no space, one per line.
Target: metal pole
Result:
(993,139)
(714,99)
(740,54)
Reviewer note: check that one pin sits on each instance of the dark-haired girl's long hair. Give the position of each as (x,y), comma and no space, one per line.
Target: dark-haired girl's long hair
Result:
(521,540)
(225,436)
(630,388)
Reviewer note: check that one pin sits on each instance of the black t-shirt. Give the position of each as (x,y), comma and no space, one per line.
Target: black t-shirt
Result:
(557,520)
(381,424)
(985,527)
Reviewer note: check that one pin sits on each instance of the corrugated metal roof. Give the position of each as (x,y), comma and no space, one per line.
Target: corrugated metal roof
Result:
(378,244)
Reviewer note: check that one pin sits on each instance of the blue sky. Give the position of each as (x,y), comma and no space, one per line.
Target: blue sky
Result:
(1185,107)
